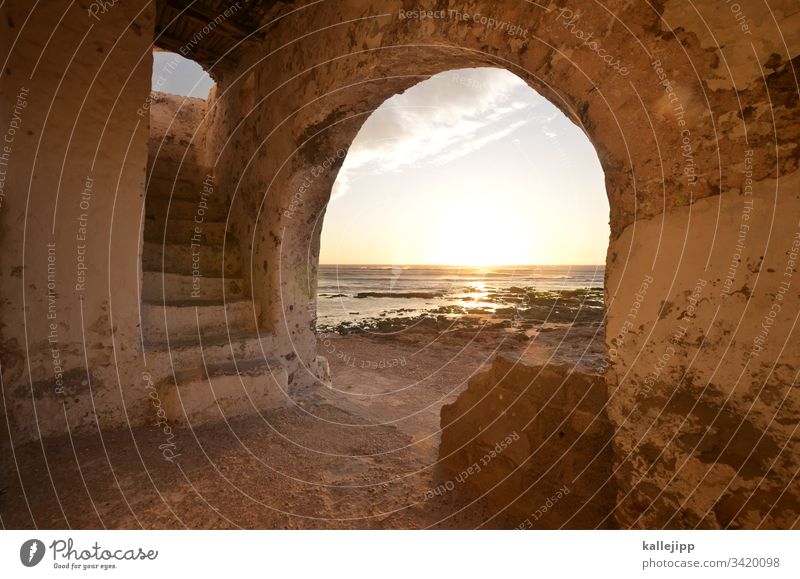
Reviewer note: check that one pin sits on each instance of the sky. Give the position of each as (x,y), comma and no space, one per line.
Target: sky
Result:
(177,75)
(469,167)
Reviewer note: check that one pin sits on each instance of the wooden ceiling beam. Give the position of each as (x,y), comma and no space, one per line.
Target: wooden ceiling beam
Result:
(203,15)
(201,55)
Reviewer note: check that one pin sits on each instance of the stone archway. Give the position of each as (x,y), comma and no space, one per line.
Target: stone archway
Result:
(304,180)
(316,163)
(646,110)
(311,169)
(447,352)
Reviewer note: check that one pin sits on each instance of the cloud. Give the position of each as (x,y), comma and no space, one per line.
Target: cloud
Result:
(449,116)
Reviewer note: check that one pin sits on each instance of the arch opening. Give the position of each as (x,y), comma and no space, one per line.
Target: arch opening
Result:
(474,176)
(468,220)
(177,75)
(194,307)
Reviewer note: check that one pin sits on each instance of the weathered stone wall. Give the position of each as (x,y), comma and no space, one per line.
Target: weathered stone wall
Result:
(74,96)
(674,97)
(707,398)
(177,128)
(534,444)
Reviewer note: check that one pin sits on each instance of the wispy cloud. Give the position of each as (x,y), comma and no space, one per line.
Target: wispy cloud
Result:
(438,121)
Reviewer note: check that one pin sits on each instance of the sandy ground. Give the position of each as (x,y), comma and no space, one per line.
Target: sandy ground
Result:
(361,454)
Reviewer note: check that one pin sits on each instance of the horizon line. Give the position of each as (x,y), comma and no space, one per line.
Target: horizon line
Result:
(470,265)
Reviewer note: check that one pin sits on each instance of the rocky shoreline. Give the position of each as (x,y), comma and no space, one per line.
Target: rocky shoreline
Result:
(512,309)
(552,326)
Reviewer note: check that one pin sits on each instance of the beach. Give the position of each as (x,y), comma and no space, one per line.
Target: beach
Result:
(359,453)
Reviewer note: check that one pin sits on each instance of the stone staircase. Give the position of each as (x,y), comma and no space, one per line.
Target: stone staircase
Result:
(197,320)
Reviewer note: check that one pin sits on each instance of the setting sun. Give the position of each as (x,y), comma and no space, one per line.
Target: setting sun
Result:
(480,233)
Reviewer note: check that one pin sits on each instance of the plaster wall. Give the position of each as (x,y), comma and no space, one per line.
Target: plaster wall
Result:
(74,95)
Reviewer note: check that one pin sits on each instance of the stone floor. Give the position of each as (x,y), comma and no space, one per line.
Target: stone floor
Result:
(360,455)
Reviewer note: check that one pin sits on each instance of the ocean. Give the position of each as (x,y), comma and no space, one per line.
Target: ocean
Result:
(359,293)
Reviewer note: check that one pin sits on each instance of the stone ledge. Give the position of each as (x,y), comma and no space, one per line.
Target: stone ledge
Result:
(535,443)
(224,391)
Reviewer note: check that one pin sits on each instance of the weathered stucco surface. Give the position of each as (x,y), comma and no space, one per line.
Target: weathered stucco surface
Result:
(696,127)
(74,193)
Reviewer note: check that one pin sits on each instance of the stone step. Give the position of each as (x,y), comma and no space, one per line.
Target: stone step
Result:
(169,151)
(182,320)
(220,392)
(182,230)
(158,287)
(180,189)
(157,207)
(183,259)
(216,347)
(169,168)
